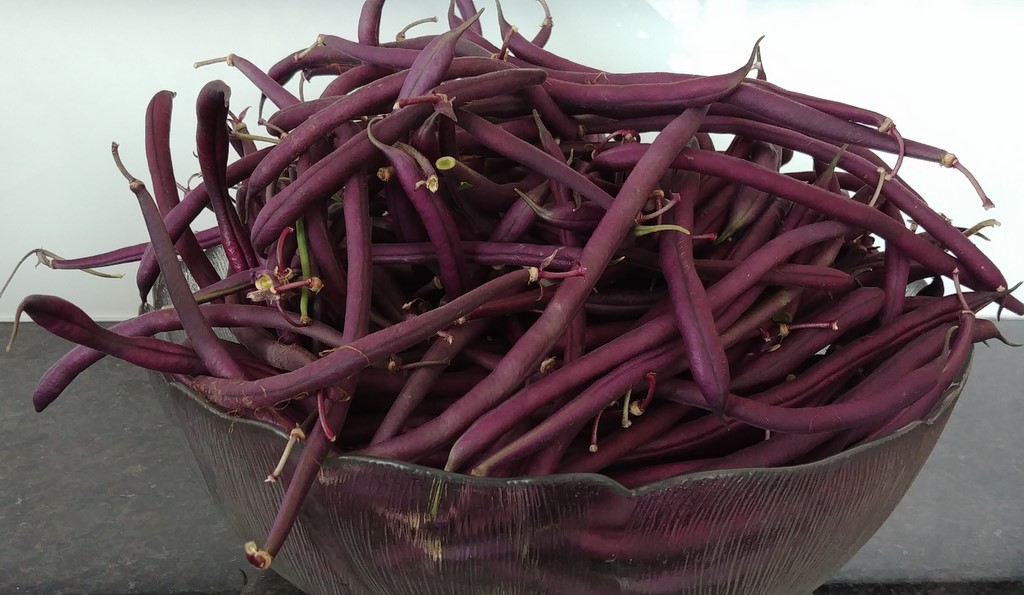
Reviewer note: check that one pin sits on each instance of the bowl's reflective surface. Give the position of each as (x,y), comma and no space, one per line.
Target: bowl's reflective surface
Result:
(374,526)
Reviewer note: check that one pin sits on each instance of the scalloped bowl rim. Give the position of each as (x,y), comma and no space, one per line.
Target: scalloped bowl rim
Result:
(949,397)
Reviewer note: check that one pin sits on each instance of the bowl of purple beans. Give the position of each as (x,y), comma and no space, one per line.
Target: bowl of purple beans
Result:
(484,319)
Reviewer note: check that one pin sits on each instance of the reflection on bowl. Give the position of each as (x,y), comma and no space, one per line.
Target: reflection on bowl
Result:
(378,526)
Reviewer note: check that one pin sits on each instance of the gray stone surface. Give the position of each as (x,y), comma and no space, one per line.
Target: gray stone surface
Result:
(963,519)
(100,495)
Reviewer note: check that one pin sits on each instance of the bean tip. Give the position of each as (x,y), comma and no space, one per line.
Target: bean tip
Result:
(227,59)
(1002,339)
(547,22)
(642,230)
(321,41)
(401,35)
(133,182)
(445,162)
(14,335)
(259,558)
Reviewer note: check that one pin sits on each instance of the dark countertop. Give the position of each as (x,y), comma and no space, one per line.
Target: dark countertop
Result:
(100,495)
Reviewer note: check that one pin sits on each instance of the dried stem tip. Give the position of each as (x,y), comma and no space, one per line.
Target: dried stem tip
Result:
(259,558)
(625,409)
(960,293)
(133,182)
(593,431)
(294,436)
(638,408)
(229,59)
(400,36)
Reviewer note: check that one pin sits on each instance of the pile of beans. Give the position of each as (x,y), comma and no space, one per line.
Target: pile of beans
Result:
(494,260)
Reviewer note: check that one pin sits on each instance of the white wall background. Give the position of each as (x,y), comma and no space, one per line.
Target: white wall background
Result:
(77,75)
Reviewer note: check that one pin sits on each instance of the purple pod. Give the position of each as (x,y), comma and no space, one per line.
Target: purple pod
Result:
(213,354)
(432,62)
(212,151)
(569,217)
(693,314)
